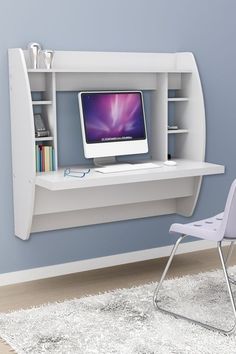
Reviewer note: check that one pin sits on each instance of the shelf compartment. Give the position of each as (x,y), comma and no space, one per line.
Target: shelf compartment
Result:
(178,131)
(176,80)
(112,195)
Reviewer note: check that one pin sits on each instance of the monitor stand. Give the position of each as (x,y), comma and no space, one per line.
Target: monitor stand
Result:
(104,161)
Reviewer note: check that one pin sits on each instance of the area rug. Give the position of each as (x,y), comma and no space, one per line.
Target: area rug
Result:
(124,321)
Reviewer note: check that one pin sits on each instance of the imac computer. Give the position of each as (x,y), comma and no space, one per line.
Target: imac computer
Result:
(113,124)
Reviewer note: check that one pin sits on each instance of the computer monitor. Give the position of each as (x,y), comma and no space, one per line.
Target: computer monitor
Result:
(113,123)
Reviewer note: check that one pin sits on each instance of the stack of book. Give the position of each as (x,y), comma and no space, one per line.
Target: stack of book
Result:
(44,157)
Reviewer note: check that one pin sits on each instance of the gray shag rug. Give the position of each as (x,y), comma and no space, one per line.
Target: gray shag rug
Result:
(124,321)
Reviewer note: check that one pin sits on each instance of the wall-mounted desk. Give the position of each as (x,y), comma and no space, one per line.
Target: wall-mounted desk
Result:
(48,201)
(101,198)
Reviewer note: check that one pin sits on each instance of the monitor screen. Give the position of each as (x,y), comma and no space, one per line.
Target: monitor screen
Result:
(113,116)
(113,123)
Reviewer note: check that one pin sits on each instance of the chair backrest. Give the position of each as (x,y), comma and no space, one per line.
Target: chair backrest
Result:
(228,226)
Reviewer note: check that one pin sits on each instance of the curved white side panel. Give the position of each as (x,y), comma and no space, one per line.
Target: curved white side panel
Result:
(23,148)
(191,146)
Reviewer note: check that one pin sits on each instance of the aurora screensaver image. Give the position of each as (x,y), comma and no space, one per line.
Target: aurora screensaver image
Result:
(113,116)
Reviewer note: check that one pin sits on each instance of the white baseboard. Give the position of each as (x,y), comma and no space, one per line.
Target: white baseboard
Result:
(98,263)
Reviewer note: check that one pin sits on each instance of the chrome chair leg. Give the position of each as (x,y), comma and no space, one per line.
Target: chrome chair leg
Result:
(223,263)
(232,278)
(229,254)
(156,301)
(167,268)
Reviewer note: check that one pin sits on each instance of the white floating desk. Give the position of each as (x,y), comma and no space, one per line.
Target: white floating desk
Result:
(50,201)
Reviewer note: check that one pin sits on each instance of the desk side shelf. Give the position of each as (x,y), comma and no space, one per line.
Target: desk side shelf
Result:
(48,200)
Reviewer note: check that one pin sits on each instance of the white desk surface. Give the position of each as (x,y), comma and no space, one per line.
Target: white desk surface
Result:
(56,181)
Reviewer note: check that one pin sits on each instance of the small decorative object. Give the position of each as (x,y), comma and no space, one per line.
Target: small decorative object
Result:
(47,58)
(34,49)
(40,126)
(173,127)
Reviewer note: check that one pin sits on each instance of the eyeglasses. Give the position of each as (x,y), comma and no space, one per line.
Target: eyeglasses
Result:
(76,174)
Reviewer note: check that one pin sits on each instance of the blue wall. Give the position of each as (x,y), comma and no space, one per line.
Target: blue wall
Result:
(205,27)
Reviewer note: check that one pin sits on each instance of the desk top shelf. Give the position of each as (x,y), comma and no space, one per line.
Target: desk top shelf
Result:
(92,62)
(55,181)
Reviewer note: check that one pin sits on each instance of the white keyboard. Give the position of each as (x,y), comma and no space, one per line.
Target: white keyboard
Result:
(126,167)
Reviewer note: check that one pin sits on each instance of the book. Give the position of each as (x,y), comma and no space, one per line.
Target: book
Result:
(36,158)
(44,158)
(40,158)
(50,159)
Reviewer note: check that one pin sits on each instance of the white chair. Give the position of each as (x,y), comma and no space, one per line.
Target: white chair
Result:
(221,227)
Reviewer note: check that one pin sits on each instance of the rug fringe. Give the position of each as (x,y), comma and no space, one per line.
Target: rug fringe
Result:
(9,347)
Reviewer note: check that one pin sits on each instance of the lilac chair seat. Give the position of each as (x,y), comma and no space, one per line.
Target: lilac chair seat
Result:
(207,229)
